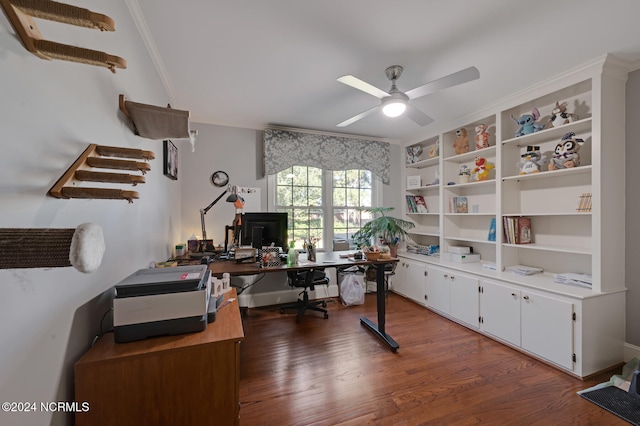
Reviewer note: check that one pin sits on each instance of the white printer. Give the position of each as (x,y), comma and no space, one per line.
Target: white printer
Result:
(161,301)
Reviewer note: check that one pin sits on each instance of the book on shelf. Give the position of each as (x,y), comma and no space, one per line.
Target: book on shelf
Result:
(584,202)
(524,270)
(517,229)
(421,204)
(492,230)
(411,204)
(458,205)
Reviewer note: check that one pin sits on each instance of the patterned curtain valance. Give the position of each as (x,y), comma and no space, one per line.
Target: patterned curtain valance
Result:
(284,149)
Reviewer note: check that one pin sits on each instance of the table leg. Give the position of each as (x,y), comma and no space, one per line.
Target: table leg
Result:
(380,299)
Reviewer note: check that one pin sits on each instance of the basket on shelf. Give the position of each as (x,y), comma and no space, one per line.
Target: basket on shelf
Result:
(376,255)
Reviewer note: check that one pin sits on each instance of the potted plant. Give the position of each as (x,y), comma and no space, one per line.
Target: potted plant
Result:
(383,229)
(464,174)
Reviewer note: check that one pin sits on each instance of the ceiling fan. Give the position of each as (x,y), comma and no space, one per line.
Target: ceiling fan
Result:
(395,103)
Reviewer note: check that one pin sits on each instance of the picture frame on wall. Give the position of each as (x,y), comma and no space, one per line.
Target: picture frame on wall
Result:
(170,160)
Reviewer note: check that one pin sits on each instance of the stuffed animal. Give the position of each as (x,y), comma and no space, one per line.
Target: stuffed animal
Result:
(461,143)
(482,168)
(566,153)
(560,116)
(482,137)
(527,123)
(531,161)
(434,149)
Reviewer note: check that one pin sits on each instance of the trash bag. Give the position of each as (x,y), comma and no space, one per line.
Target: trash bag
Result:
(352,290)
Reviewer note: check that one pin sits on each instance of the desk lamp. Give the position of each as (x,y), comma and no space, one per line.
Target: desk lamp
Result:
(219,179)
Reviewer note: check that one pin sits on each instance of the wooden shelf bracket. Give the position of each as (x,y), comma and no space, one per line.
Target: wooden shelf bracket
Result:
(21,13)
(98,156)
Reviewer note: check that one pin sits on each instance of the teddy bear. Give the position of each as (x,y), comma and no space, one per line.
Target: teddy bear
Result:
(527,123)
(482,168)
(531,161)
(482,137)
(566,153)
(560,116)
(461,142)
(434,149)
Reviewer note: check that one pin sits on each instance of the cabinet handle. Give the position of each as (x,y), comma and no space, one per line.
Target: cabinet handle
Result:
(525,297)
(452,278)
(446,275)
(513,294)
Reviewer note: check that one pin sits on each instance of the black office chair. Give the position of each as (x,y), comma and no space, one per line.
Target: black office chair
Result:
(307,280)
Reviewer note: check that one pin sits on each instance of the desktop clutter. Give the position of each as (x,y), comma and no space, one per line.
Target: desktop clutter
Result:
(166,301)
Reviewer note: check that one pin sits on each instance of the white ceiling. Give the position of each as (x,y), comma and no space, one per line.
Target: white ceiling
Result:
(254,63)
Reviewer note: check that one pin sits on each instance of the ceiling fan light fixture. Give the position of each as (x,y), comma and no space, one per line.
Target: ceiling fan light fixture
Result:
(394,108)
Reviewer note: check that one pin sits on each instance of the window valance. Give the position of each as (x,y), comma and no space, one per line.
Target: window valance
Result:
(284,149)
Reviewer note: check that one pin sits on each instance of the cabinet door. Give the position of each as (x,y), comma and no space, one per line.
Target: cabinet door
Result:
(438,289)
(547,328)
(464,304)
(410,280)
(500,310)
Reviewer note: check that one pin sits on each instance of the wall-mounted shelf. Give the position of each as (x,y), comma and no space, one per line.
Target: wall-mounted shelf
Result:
(21,13)
(153,122)
(94,157)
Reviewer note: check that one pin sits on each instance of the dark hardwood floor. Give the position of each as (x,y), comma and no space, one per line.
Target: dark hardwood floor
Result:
(336,372)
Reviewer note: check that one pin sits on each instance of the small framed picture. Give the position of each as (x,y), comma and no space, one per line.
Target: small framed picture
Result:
(414,182)
(170,160)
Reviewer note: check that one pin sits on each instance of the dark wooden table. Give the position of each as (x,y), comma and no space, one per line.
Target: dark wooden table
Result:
(323,260)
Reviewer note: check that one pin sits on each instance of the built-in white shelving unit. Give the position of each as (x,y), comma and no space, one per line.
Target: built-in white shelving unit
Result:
(565,239)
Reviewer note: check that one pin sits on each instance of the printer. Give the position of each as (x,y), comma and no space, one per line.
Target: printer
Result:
(161,301)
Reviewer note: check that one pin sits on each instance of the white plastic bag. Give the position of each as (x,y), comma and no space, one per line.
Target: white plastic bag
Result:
(352,290)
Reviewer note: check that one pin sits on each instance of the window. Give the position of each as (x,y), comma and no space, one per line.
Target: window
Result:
(352,191)
(324,205)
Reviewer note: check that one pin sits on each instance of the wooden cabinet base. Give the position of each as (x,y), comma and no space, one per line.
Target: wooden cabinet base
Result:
(186,379)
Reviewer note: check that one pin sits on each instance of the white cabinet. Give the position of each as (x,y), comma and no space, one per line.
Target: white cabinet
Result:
(454,294)
(500,311)
(410,280)
(547,327)
(539,324)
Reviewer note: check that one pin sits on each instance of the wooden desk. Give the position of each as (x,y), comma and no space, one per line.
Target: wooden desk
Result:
(189,379)
(323,260)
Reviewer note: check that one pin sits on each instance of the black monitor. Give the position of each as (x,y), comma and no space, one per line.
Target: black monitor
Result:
(263,229)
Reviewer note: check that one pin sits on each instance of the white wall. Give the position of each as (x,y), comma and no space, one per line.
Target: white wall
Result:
(49,112)
(632,272)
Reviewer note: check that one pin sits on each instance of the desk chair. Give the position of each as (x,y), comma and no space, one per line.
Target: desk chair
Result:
(307,280)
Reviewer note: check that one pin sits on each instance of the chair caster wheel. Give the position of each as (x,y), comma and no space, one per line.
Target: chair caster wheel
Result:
(326,316)
(324,304)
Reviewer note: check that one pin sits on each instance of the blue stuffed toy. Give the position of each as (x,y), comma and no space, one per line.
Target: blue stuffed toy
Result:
(527,123)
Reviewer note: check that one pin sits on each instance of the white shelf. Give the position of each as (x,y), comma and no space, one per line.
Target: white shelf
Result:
(474,184)
(547,214)
(432,187)
(423,214)
(463,158)
(424,233)
(470,214)
(579,126)
(470,240)
(558,249)
(573,171)
(423,163)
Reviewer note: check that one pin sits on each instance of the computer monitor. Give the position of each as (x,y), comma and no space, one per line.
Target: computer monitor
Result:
(263,229)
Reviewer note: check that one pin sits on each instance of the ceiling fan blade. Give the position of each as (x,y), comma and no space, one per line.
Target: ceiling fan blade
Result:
(353,119)
(419,117)
(356,83)
(454,79)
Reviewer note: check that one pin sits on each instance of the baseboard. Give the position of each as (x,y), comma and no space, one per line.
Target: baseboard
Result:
(631,351)
(255,300)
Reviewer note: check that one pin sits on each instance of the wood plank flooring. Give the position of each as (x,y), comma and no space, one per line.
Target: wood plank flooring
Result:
(336,372)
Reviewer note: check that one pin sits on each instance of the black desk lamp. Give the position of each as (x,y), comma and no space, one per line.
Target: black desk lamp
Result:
(219,179)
